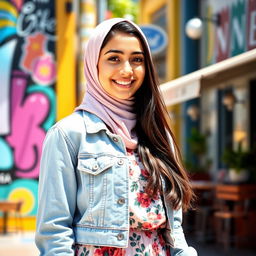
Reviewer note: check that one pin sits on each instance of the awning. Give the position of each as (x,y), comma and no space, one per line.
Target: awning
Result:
(189,86)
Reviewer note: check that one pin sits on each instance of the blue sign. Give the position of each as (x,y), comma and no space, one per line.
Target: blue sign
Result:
(156,36)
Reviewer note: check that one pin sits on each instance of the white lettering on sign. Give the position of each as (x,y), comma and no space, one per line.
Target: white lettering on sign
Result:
(5,178)
(238,30)
(31,20)
(223,37)
(252,34)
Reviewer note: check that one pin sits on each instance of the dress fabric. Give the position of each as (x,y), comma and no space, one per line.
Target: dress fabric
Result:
(147,218)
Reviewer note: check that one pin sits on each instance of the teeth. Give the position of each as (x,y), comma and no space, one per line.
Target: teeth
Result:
(123,82)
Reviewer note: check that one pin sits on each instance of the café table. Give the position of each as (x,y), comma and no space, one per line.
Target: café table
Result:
(236,214)
(204,209)
(6,207)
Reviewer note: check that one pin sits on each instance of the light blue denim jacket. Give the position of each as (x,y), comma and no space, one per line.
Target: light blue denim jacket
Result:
(83,190)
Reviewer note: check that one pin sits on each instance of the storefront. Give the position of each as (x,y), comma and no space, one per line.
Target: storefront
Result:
(225,83)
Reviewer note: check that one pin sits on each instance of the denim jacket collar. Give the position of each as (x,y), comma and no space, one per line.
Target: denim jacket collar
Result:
(93,123)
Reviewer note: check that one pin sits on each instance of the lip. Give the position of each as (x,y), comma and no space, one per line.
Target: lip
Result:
(123,84)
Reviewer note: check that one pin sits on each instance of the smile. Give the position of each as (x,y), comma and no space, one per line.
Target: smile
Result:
(123,83)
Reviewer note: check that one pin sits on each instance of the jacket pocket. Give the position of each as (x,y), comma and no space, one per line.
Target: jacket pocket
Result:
(95,164)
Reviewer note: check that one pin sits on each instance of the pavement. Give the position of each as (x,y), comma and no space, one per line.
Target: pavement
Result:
(22,244)
(213,249)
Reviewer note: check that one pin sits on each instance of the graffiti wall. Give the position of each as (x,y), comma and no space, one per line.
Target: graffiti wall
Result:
(27,97)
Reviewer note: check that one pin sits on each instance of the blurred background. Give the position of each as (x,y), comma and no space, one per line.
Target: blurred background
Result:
(205,56)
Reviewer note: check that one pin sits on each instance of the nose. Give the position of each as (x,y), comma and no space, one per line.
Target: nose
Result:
(126,69)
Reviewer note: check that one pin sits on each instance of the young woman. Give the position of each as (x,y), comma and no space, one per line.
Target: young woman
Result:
(111,180)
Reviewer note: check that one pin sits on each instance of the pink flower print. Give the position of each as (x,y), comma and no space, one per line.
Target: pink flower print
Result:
(144,173)
(148,233)
(44,70)
(156,248)
(143,199)
(131,171)
(129,152)
(152,216)
(134,163)
(109,251)
(34,48)
(147,225)
(159,216)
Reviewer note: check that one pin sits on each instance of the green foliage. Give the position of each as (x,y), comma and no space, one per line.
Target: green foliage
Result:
(198,147)
(197,142)
(120,8)
(240,159)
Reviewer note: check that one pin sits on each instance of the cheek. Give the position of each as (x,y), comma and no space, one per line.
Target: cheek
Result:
(102,72)
(141,73)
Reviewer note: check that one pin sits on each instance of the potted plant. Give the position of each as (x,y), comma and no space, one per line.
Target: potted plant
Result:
(198,165)
(240,163)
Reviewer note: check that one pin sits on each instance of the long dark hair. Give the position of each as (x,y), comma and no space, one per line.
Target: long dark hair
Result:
(157,147)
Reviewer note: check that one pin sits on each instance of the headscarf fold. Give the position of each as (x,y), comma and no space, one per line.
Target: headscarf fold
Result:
(117,114)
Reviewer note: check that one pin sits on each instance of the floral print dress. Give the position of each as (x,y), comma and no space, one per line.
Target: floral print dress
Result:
(147,216)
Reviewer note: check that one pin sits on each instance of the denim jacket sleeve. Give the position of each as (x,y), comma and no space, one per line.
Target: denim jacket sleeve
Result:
(181,247)
(56,196)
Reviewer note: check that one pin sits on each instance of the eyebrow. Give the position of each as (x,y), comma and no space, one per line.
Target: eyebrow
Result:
(121,52)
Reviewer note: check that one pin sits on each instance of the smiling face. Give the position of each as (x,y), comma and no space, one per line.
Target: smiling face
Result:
(121,66)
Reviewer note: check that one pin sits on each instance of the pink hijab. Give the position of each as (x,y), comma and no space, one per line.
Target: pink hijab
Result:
(116,114)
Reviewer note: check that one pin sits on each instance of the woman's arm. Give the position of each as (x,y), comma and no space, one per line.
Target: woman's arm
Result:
(181,247)
(56,196)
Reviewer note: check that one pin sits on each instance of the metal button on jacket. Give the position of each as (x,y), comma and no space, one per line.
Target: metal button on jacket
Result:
(95,167)
(121,200)
(115,139)
(120,162)
(120,236)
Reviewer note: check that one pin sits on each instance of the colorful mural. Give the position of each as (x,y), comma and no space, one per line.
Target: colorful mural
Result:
(28,98)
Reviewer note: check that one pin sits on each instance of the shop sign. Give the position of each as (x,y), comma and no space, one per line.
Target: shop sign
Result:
(236,32)
(156,36)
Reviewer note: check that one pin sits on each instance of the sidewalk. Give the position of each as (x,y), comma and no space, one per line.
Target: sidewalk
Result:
(212,249)
(18,245)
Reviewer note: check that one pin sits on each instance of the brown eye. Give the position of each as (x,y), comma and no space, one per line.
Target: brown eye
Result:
(113,59)
(138,60)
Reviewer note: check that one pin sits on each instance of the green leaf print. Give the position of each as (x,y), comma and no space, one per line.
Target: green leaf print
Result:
(138,237)
(136,203)
(133,244)
(132,221)
(134,186)
(131,238)
(138,250)
(142,247)
(148,209)
(85,252)
(139,225)
(147,254)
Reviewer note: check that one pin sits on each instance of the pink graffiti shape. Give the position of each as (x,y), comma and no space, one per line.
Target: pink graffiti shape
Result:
(26,137)
(44,70)
(18,3)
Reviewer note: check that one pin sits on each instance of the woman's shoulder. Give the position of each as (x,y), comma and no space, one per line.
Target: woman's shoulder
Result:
(80,122)
(70,129)
(71,122)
